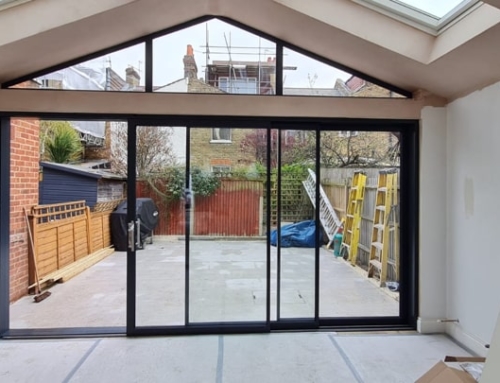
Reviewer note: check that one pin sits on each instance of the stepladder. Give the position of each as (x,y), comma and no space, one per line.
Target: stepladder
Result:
(327,216)
(384,249)
(352,223)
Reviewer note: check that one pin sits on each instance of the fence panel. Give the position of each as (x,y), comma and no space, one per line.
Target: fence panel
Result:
(332,180)
(171,217)
(65,233)
(215,214)
(234,210)
(53,228)
(337,195)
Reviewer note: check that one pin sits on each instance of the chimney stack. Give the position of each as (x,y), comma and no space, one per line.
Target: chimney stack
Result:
(190,67)
(132,77)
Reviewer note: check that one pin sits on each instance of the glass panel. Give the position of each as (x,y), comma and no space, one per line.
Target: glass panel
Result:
(435,8)
(160,258)
(359,272)
(214,57)
(64,182)
(296,246)
(227,246)
(120,71)
(431,15)
(304,76)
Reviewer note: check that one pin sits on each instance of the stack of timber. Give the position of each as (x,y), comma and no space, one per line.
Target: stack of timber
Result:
(75,268)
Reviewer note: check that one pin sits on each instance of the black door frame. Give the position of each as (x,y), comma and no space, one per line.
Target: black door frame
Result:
(188,327)
(408,130)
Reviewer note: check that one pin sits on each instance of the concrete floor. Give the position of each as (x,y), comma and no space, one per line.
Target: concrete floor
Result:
(227,283)
(274,358)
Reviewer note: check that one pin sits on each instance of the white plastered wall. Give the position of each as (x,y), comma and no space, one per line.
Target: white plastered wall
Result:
(473,217)
(432,244)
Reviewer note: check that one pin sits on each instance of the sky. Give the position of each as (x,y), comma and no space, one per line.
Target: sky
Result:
(224,41)
(437,8)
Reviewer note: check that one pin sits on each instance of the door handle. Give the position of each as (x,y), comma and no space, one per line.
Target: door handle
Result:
(131,235)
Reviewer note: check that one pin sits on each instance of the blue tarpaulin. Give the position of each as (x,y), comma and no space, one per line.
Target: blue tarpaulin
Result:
(300,234)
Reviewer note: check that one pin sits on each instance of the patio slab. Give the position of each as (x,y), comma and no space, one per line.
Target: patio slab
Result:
(227,283)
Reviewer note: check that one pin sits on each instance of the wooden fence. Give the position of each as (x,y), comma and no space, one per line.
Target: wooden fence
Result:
(336,184)
(66,233)
(235,209)
(238,209)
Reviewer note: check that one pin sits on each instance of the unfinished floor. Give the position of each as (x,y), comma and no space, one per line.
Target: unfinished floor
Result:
(279,357)
(227,282)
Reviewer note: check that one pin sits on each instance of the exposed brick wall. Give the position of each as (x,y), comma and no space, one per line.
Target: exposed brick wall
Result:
(24,167)
(206,153)
(93,153)
(354,83)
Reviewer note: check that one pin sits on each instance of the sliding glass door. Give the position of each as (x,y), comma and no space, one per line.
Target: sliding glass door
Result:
(268,228)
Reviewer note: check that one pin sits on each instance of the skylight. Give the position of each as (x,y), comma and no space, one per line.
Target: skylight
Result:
(438,9)
(4,4)
(430,15)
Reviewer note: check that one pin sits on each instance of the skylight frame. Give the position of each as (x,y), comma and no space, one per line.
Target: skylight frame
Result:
(5,4)
(419,18)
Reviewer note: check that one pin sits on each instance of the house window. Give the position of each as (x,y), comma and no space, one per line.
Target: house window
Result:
(243,85)
(348,133)
(221,169)
(221,135)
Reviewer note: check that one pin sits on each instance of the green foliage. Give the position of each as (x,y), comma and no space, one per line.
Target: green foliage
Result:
(204,183)
(60,141)
(170,185)
(298,170)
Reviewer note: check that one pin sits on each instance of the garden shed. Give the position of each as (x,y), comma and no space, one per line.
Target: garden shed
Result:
(89,181)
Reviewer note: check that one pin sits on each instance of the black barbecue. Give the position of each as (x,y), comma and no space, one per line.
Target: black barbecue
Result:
(146,219)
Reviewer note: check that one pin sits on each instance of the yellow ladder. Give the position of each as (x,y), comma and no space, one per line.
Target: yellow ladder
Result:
(385,222)
(353,216)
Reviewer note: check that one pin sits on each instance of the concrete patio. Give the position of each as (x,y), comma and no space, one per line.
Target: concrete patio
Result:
(227,283)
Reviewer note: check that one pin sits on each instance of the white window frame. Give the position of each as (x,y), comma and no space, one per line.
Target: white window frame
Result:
(221,168)
(348,133)
(214,139)
(419,18)
(4,4)
(230,80)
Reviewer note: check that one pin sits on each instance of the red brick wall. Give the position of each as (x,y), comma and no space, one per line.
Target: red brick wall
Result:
(24,167)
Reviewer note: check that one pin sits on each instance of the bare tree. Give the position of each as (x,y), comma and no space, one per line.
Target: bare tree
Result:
(293,146)
(154,149)
(337,148)
(348,149)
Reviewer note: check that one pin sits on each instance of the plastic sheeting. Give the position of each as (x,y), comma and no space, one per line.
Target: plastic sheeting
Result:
(300,234)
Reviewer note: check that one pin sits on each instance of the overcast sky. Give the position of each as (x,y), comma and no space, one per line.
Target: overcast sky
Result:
(437,8)
(224,41)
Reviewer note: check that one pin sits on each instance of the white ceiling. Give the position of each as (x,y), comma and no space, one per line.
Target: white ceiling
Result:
(42,33)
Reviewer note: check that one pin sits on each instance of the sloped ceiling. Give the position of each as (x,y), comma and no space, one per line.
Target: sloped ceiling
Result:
(43,33)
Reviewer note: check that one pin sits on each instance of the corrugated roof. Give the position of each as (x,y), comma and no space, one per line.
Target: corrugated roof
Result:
(84,169)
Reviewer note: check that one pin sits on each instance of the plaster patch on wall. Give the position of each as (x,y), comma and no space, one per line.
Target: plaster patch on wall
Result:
(469,197)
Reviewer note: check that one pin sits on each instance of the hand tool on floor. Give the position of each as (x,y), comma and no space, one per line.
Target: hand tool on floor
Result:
(39,296)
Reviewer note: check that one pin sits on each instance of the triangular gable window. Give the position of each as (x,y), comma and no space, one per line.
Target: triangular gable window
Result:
(211,56)
(115,71)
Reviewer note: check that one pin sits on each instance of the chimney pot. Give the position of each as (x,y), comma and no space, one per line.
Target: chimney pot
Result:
(132,77)
(190,67)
